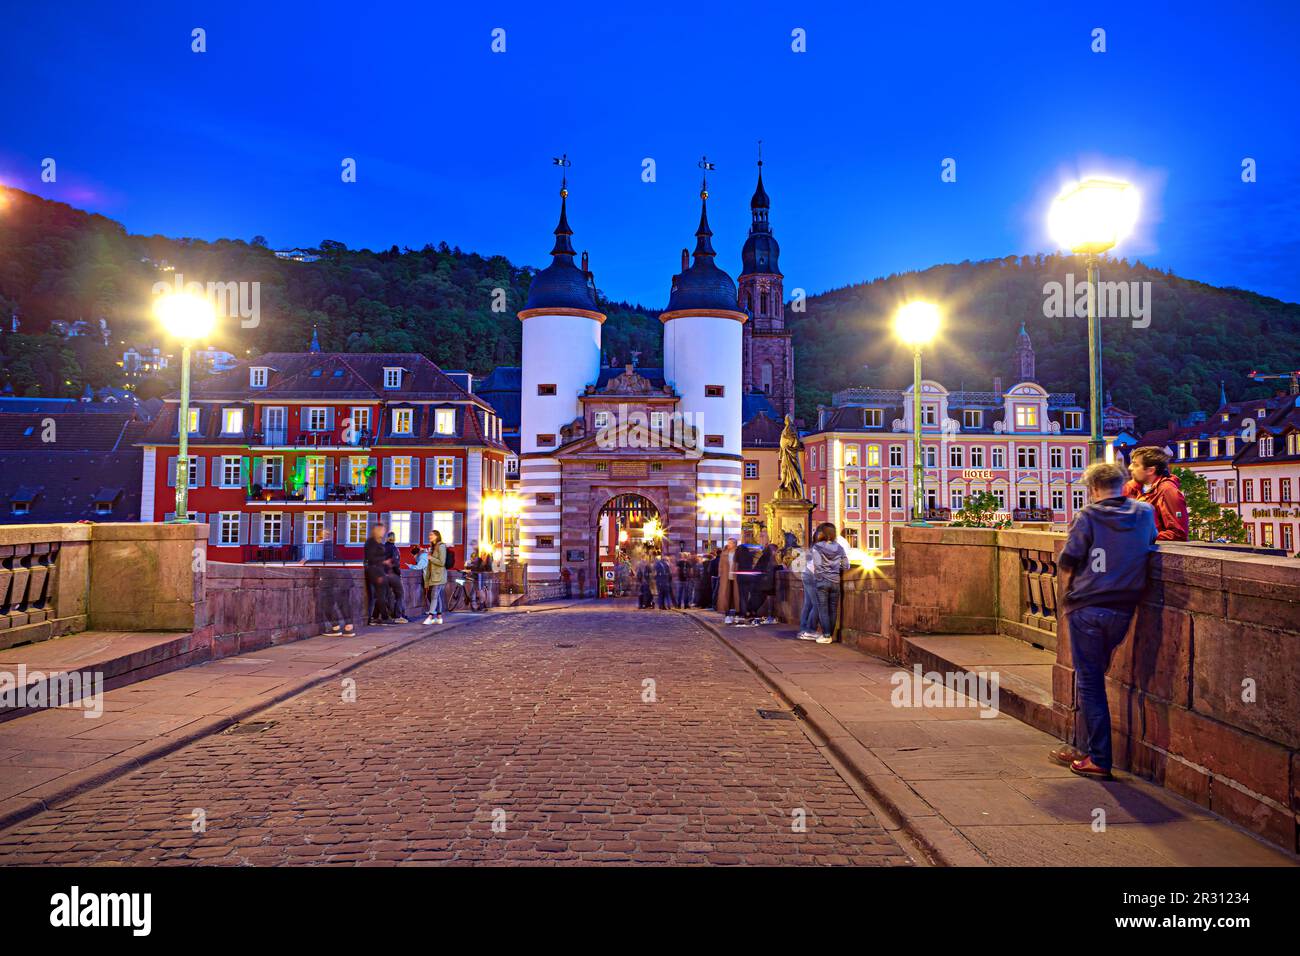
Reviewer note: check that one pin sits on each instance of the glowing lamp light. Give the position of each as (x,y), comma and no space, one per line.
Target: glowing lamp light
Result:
(652,530)
(188,317)
(917,323)
(1090,217)
(492,507)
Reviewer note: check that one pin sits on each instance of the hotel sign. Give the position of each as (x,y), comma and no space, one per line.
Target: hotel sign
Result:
(976,474)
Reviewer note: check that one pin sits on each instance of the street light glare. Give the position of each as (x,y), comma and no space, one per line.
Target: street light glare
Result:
(917,323)
(1090,217)
(188,317)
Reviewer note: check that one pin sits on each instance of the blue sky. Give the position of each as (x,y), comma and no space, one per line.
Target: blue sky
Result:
(454,142)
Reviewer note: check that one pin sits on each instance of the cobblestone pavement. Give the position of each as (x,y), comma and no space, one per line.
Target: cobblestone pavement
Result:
(585,735)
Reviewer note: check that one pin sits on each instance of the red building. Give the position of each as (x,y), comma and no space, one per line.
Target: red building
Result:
(293,456)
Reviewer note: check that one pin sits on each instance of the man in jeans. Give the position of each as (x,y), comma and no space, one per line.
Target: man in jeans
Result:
(1105,559)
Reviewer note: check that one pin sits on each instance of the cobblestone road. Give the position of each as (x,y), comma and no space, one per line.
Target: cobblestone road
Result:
(524,739)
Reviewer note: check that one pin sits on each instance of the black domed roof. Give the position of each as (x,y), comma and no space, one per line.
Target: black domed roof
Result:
(703,285)
(760,254)
(561,285)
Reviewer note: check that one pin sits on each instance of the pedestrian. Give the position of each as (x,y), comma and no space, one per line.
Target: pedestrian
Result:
(745,557)
(707,577)
(645,596)
(481,566)
(763,592)
(686,574)
(393,578)
(829,562)
(802,565)
(664,582)
(435,576)
(1104,562)
(725,587)
(1153,483)
(375,558)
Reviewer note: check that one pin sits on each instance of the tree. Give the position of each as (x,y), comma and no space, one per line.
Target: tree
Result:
(980,510)
(1207,520)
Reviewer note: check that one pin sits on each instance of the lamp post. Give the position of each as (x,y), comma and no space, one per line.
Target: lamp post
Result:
(916,324)
(1089,218)
(511,508)
(189,318)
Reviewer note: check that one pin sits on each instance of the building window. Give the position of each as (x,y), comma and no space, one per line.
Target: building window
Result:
(229,528)
(194,420)
(444,472)
(357,466)
(997,456)
(656,466)
(1285,493)
(873,499)
(714,391)
(712,441)
(955,456)
(1026,417)
(600,420)
(359,423)
(873,456)
(545,389)
(399,523)
(1266,534)
(812,458)
(658,422)
(232,421)
(872,417)
(977,456)
(850,456)
(1266,447)
(873,539)
(230,471)
(955,497)
(932,498)
(972,418)
(392,378)
(512,467)
(273,472)
(1248,490)
(931,457)
(1000,495)
(257,377)
(315,419)
(545,440)
(1076,458)
(1076,498)
(895,497)
(403,420)
(401,470)
(1230,492)
(444,522)
(1026,457)
(1027,498)
(272,528)
(356,533)
(751,469)
(545,498)
(545,541)
(602,466)
(1073,421)
(751,504)
(1058,499)
(851,498)
(929,414)
(1055,457)
(1266,489)
(1288,542)
(1250,533)
(20,507)
(444,421)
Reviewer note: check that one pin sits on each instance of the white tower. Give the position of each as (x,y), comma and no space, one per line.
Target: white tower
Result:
(702,361)
(561,357)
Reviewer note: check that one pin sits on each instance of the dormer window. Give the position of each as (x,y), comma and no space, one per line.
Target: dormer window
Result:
(1266,446)
(194,421)
(929,414)
(444,421)
(403,418)
(232,421)
(1073,421)
(1026,417)
(392,377)
(257,376)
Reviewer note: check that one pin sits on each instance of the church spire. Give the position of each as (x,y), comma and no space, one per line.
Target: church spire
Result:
(759,203)
(1024,356)
(563,244)
(704,235)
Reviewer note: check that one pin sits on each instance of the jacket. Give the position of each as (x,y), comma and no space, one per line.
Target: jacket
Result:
(1166,497)
(435,568)
(828,561)
(374,555)
(1109,545)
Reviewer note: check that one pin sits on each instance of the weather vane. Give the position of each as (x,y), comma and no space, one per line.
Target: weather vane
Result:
(760,152)
(705,165)
(564,163)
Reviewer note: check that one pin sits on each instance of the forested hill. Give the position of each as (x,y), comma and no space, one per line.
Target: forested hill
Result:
(58,263)
(1198,335)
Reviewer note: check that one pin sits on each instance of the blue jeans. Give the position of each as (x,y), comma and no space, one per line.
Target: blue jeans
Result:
(1095,632)
(808,616)
(828,604)
(436,603)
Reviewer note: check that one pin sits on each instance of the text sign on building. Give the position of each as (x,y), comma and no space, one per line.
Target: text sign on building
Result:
(629,469)
(976,474)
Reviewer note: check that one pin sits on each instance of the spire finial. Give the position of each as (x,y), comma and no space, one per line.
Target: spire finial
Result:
(760,156)
(564,163)
(705,165)
(563,247)
(704,248)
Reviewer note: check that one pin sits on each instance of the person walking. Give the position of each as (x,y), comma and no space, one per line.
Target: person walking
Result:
(435,576)
(763,592)
(481,566)
(744,559)
(829,561)
(393,579)
(664,582)
(1104,561)
(686,575)
(376,572)
(645,596)
(725,590)
(708,579)
(1153,483)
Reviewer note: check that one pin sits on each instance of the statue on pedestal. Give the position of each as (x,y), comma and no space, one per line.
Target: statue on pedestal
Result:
(788,511)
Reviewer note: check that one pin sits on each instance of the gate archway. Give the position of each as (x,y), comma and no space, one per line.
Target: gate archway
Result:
(626,522)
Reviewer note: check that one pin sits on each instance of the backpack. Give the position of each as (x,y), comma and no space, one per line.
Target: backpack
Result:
(451,558)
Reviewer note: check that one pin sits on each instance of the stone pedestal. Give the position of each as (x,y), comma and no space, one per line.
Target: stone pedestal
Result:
(788,515)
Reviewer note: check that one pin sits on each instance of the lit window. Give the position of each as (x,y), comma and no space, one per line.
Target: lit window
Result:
(357,532)
(194,420)
(357,467)
(399,523)
(444,473)
(851,456)
(444,522)
(851,498)
(444,421)
(403,420)
(401,471)
(232,421)
(1026,416)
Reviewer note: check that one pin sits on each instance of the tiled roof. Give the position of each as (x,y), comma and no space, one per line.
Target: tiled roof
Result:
(65,485)
(761,431)
(849,411)
(754,404)
(71,431)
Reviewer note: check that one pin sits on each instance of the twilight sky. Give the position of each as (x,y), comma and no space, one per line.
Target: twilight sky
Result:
(453,142)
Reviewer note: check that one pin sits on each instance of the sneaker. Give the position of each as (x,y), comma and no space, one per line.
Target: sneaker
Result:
(428,620)
(400,620)
(770,620)
(825,639)
(807,636)
(754,623)
(438,619)
(349,631)
(729,620)
(335,630)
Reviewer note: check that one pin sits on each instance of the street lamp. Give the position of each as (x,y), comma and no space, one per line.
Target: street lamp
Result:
(713,506)
(512,508)
(1089,218)
(916,324)
(189,318)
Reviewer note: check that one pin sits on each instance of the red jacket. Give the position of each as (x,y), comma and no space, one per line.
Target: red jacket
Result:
(1166,497)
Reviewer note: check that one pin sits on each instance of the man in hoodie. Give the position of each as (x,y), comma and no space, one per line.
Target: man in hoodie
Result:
(1105,559)
(1153,484)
